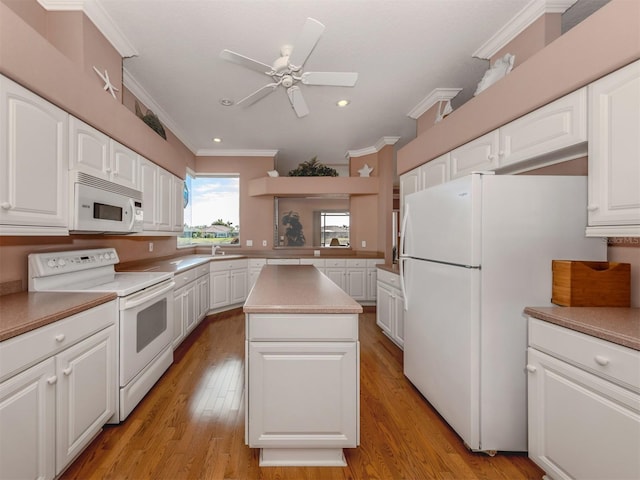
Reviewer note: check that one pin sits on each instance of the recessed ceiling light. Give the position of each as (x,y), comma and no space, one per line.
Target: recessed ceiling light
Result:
(226,102)
(342,103)
(217,140)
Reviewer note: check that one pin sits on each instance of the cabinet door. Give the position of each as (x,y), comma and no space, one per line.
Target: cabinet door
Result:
(177,210)
(85,394)
(164,200)
(27,423)
(149,186)
(372,283)
(337,275)
(409,183)
(34,148)
(614,150)
(479,154)
(384,307)
(179,330)
(398,318)
(357,283)
(89,149)
(435,171)
(203,298)
(219,289)
(125,166)
(238,286)
(556,126)
(303,394)
(190,313)
(580,426)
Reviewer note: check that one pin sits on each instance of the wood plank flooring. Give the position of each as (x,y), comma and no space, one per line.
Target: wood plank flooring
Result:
(191,425)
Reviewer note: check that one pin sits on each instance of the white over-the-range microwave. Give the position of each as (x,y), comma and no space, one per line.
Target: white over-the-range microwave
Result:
(101,206)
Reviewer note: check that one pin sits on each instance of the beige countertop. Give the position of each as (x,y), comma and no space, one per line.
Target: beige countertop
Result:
(617,325)
(297,289)
(393,268)
(174,264)
(25,311)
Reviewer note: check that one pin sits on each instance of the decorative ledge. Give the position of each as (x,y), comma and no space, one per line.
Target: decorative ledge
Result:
(313,186)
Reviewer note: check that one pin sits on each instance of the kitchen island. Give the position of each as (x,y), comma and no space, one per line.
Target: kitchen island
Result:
(302,368)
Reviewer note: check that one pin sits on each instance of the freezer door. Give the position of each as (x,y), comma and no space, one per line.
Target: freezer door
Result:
(443,222)
(441,347)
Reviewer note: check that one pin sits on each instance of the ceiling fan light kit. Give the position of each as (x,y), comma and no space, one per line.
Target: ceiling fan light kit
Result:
(286,70)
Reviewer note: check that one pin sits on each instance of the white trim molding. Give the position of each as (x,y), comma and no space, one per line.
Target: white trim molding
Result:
(207,152)
(373,149)
(94,10)
(436,95)
(514,27)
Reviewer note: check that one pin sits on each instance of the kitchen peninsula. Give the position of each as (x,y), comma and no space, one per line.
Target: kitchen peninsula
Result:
(302,368)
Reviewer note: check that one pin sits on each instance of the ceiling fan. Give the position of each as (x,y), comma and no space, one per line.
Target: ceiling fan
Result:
(287,69)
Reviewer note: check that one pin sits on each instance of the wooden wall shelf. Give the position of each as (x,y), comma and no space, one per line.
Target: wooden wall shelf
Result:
(312,186)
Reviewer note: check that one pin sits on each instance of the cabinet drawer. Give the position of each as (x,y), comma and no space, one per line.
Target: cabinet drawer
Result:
(22,351)
(257,262)
(222,265)
(283,261)
(389,278)
(311,327)
(614,362)
(335,262)
(356,262)
(316,262)
(185,277)
(202,270)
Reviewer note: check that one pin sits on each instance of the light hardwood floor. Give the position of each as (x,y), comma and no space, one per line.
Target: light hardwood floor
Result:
(191,425)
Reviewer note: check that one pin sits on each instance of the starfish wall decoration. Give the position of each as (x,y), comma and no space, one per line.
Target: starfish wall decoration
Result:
(365,171)
(108,86)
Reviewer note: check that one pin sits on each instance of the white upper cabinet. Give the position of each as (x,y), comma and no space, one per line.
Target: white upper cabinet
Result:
(177,210)
(557,130)
(33,163)
(614,154)
(435,172)
(478,154)
(95,153)
(162,198)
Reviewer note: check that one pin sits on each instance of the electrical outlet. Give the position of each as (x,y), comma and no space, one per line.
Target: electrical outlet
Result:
(364,244)
(151,246)
(249,243)
(264,243)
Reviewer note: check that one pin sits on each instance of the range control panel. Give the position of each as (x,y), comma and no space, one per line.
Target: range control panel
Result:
(56,263)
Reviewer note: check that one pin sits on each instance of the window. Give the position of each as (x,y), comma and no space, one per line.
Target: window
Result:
(334,229)
(211,210)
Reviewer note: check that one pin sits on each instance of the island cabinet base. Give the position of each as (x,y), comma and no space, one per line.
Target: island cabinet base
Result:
(302,388)
(302,457)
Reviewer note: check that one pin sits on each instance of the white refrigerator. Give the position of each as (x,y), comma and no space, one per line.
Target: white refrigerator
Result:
(474,253)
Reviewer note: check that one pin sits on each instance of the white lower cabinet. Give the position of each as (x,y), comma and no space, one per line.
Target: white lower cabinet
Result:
(584,405)
(228,283)
(390,307)
(191,301)
(50,411)
(254,268)
(302,398)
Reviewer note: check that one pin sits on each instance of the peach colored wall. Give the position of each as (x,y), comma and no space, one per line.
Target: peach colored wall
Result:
(427,119)
(15,250)
(256,213)
(533,39)
(365,216)
(30,59)
(603,42)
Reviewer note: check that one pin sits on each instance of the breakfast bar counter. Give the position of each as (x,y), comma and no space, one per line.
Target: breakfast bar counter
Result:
(302,359)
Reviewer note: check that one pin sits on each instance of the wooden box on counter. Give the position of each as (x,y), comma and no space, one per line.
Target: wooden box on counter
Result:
(591,284)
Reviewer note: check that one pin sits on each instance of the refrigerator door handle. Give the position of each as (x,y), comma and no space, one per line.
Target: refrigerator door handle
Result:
(402,257)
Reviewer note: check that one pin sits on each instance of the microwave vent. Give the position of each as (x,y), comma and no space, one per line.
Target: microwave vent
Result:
(91,181)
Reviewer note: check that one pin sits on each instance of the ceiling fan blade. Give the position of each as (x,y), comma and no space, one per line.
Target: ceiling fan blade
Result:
(259,94)
(245,61)
(305,43)
(297,101)
(333,79)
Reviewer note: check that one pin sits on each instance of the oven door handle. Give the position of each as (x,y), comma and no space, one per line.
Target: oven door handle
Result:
(138,299)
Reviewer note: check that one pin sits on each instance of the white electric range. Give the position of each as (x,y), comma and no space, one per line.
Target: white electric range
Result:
(145,306)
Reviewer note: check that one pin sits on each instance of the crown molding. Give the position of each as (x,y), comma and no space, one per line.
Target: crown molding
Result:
(379,145)
(436,95)
(100,18)
(208,152)
(514,27)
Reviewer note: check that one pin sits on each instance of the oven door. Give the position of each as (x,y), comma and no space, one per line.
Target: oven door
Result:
(146,328)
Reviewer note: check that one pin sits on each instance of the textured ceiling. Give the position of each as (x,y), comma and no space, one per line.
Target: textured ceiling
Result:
(402,50)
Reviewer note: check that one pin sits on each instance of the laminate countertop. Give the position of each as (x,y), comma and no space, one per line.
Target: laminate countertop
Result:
(614,324)
(297,289)
(25,311)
